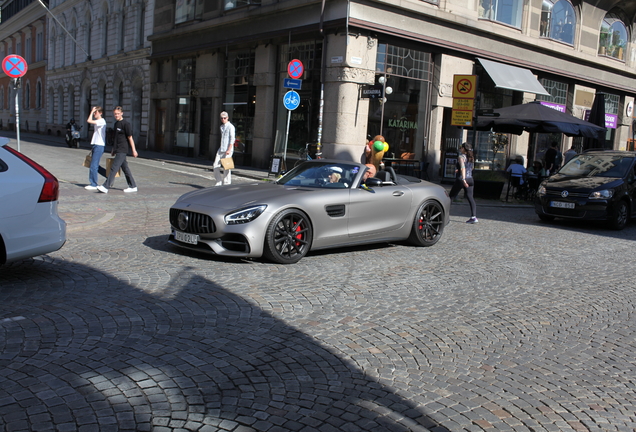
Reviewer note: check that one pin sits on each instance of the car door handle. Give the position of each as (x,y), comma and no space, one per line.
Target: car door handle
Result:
(398,193)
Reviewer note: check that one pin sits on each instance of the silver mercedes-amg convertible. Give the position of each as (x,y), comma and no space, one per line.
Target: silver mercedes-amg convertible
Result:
(319,204)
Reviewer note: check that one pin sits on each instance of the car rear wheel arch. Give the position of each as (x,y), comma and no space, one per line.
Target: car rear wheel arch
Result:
(289,236)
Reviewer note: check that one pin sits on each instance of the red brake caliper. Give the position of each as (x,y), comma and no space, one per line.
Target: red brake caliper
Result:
(298,236)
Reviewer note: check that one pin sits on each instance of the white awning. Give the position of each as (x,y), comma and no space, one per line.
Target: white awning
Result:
(512,77)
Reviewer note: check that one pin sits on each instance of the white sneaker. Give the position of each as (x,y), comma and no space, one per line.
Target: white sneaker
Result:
(89,187)
(472,220)
(102,189)
(130,189)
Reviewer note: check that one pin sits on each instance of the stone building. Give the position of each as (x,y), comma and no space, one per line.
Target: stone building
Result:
(98,54)
(23,33)
(232,55)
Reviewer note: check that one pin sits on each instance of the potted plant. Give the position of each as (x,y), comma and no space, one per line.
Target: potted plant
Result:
(489,184)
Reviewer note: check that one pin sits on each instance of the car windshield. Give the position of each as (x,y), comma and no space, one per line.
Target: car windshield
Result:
(328,175)
(598,165)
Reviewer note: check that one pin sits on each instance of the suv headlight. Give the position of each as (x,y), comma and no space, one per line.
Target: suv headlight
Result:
(541,190)
(602,194)
(244,215)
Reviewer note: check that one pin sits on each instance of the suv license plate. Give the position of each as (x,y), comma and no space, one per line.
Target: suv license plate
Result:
(186,238)
(561,204)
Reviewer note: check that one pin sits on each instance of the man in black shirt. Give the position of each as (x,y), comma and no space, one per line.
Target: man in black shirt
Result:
(123,139)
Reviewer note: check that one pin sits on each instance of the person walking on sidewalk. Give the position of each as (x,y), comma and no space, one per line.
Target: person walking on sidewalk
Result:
(98,143)
(123,140)
(226,148)
(464,179)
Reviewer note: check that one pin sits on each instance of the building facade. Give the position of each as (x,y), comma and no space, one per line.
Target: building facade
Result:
(23,32)
(232,55)
(98,54)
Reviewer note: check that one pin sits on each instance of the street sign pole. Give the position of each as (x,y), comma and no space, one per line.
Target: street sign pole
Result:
(15,67)
(286,138)
(16,87)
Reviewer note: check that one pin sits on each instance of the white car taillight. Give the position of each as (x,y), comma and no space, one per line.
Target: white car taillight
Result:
(51,188)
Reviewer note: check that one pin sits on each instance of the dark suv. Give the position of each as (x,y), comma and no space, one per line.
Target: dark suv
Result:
(595,185)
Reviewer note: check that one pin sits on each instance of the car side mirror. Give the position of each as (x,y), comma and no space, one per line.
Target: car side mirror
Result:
(373,182)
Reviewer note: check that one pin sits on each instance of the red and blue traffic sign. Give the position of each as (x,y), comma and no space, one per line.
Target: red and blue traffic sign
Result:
(295,69)
(14,66)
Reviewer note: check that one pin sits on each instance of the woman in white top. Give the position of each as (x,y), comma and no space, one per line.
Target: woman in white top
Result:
(97,144)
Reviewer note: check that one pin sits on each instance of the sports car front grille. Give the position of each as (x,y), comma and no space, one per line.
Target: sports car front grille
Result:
(191,222)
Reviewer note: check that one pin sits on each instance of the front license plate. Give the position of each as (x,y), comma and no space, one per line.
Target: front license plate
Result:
(561,204)
(186,238)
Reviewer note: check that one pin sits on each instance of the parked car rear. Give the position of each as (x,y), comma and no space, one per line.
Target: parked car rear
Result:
(29,221)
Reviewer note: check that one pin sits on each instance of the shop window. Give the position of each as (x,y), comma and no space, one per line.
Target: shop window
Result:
(503,11)
(186,103)
(558,21)
(188,10)
(558,92)
(303,121)
(240,101)
(613,38)
(233,4)
(401,116)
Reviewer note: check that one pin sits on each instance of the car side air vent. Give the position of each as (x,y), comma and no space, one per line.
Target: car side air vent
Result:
(336,210)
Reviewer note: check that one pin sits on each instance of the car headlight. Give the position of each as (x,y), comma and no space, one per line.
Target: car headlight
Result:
(244,215)
(602,194)
(541,191)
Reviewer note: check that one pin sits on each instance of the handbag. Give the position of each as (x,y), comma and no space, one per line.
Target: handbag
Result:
(109,165)
(227,163)
(88,159)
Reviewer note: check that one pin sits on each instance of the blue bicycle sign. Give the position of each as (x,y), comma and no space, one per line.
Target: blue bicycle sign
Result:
(291,100)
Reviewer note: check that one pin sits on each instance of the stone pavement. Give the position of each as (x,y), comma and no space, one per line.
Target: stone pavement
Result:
(508,325)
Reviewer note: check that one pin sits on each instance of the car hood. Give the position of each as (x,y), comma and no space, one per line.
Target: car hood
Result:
(233,197)
(586,183)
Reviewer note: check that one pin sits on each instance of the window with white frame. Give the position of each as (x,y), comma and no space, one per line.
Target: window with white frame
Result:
(38,95)
(188,10)
(613,37)
(27,95)
(558,21)
(232,4)
(39,46)
(27,50)
(105,35)
(503,11)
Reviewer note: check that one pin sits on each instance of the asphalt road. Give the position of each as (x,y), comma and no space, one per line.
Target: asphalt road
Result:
(511,324)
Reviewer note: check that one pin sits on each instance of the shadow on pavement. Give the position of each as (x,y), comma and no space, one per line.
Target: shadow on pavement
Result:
(188,355)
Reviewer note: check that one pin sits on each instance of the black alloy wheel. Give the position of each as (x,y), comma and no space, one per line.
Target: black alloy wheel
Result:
(619,215)
(288,237)
(428,224)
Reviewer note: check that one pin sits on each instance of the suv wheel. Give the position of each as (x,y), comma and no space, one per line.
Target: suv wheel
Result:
(619,216)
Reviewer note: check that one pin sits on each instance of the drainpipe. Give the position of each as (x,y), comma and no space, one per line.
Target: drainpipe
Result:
(322,81)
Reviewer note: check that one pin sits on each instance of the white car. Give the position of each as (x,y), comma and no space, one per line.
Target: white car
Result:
(29,223)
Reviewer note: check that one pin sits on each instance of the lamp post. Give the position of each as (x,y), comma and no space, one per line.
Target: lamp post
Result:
(385,91)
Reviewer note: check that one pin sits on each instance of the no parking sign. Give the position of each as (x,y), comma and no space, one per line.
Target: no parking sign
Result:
(14,66)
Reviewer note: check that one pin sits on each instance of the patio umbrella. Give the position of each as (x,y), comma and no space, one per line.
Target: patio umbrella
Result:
(535,117)
(597,117)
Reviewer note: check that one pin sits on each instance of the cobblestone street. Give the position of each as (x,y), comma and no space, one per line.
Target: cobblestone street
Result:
(511,324)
